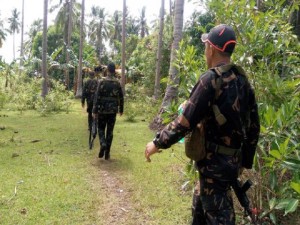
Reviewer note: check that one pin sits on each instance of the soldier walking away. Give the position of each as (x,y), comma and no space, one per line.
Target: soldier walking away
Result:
(230,143)
(108,102)
(88,94)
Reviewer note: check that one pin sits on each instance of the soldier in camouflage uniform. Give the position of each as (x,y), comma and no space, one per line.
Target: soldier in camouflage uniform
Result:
(229,146)
(107,103)
(89,89)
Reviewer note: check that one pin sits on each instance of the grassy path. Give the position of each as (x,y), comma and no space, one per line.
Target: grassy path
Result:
(48,175)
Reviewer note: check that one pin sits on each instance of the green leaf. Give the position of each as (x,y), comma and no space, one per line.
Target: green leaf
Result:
(273,218)
(272,203)
(284,146)
(282,204)
(292,164)
(263,129)
(295,186)
(276,154)
(273,180)
(292,206)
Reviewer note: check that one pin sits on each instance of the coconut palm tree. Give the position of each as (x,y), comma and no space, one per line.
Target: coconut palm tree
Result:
(159,47)
(22,37)
(123,79)
(14,27)
(44,56)
(172,90)
(35,27)
(67,19)
(172,87)
(79,79)
(2,33)
(115,29)
(143,23)
(132,26)
(98,30)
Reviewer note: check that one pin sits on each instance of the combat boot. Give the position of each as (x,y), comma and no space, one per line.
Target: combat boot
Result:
(107,154)
(102,150)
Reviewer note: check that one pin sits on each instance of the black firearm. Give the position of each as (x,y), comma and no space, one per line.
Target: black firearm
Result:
(93,133)
(240,192)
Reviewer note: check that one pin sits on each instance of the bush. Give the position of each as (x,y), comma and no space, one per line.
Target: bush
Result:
(58,99)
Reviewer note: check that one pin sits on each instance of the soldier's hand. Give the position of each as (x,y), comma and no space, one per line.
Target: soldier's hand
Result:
(150,150)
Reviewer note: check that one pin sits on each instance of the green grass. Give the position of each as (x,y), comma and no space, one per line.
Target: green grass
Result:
(48,175)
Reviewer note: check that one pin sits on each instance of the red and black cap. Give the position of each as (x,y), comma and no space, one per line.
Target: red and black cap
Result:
(221,37)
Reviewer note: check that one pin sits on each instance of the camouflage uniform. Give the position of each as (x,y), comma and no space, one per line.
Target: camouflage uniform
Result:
(89,89)
(107,103)
(219,168)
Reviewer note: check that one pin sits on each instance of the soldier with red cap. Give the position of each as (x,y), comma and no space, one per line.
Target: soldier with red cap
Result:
(230,145)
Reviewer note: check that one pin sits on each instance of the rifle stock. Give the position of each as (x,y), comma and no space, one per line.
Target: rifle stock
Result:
(240,192)
(93,133)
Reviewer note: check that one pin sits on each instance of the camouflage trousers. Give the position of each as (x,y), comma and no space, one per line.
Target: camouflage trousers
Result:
(106,124)
(212,204)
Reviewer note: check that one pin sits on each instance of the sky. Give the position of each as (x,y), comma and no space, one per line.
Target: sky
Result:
(34,10)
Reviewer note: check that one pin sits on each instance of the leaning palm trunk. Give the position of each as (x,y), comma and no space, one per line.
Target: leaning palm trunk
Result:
(172,87)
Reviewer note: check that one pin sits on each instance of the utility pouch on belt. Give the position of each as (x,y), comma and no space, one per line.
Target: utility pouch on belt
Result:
(194,143)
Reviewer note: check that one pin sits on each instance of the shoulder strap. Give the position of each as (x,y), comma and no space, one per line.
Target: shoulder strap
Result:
(240,71)
(220,118)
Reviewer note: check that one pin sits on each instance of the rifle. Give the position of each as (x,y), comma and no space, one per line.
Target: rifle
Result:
(93,133)
(240,192)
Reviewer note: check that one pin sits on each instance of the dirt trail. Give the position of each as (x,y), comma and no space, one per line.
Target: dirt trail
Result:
(115,198)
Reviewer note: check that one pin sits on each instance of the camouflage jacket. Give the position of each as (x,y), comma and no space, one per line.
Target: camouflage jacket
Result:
(109,97)
(242,111)
(89,90)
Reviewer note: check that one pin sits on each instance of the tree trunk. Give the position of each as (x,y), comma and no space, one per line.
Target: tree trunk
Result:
(22,37)
(158,59)
(79,80)
(100,43)
(70,9)
(172,87)
(123,47)
(44,56)
(258,4)
(14,51)
(294,20)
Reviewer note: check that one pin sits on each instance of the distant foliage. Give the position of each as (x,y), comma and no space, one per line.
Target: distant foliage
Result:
(138,104)
(24,93)
(57,100)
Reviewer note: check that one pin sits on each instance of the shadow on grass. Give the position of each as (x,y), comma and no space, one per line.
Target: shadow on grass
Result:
(115,164)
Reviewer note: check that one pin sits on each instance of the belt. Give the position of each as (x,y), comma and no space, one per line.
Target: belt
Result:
(222,149)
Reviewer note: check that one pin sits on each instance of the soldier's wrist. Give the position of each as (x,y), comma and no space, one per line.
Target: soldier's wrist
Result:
(156,141)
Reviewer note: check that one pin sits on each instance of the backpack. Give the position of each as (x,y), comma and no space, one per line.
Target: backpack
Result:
(195,145)
(91,88)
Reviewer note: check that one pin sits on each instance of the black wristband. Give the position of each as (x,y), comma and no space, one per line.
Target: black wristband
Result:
(156,140)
